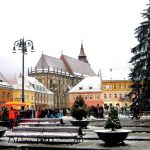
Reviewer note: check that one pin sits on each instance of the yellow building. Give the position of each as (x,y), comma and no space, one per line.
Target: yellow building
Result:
(36,95)
(115,88)
(6,91)
(29,94)
(115,92)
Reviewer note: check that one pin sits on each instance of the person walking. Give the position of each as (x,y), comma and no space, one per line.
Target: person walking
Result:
(136,113)
(12,117)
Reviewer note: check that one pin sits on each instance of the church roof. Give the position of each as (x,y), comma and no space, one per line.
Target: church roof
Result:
(77,67)
(52,62)
(67,64)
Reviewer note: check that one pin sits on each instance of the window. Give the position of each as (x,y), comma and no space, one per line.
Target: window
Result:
(115,86)
(8,95)
(97,96)
(125,86)
(74,98)
(85,97)
(80,88)
(109,95)
(115,95)
(51,83)
(90,87)
(107,87)
(90,97)
(119,86)
(3,94)
(121,96)
(27,97)
(105,95)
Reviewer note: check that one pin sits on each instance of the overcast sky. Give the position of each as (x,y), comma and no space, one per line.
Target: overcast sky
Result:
(105,26)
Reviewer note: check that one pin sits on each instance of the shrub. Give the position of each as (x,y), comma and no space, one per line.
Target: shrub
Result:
(79,109)
(113,121)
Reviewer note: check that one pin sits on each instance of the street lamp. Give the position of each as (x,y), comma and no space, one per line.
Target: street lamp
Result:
(22,45)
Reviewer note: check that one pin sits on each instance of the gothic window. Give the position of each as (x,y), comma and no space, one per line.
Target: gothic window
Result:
(51,83)
(8,95)
(3,94)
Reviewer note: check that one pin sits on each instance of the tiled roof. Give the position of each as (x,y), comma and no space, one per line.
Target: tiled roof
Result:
(78,67)
(67,64)
(52,62)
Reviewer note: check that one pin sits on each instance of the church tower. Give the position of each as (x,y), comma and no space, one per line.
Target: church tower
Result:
(82,55)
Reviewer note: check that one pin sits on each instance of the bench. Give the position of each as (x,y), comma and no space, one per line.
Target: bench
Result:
(41,122)
(145,113)
(46,134)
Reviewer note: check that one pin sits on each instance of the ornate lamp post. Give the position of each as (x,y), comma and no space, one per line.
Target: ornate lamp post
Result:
(22,45)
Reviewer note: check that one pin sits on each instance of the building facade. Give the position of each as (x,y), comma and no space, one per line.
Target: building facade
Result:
(36,95)
(60,75)
(29,93)
(90,89)
(115,92)
(116,87)
(6,91)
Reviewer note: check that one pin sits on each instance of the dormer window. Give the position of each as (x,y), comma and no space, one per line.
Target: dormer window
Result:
(80,88)
(90,87)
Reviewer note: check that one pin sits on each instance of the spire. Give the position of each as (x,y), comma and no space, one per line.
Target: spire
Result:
(82,55)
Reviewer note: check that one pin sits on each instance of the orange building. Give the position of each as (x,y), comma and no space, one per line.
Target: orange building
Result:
(6,91)
(90,89)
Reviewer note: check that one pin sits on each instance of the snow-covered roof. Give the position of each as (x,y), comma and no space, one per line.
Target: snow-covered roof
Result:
(38,86)
(3,82)
(88,84)
(27,85)
(5,85)
(115,74)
